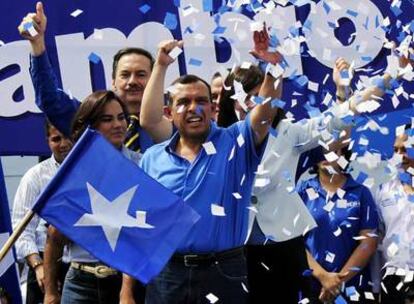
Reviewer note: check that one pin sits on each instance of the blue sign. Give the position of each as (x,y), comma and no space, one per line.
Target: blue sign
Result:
(312,35)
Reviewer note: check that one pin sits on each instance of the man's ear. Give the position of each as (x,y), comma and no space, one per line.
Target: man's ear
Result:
(167,112)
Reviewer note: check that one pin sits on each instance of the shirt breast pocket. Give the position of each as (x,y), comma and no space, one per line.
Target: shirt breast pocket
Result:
(387,202)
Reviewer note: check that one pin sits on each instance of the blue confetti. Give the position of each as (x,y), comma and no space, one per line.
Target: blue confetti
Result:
(27,25)
(219,30)
(362,176)
(405,178)
(273,132)
(352,13)
(366,23)
(188,30)
(278,103)
(377,23)
(195,62)
(410,152)
(349,291)
(355,269)
(409,132)
(366,58)
(170,21)
(411,198)
(340,300)
(302,80)
(207,5)
(94,58)
(144,8)
(258,99)
(396,10)
(326,7)
(307,272)
(332,25)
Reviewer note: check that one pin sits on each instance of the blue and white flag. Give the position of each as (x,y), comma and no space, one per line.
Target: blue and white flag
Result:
(105,203)
(9,280)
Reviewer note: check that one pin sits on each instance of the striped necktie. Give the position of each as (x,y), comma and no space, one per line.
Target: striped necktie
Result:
(132,136)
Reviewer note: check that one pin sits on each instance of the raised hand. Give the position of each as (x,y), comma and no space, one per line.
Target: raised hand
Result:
(39,21)
(261,47)
(164,49)
(340,65)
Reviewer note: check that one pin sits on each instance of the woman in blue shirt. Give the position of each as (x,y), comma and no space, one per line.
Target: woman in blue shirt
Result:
(342,244)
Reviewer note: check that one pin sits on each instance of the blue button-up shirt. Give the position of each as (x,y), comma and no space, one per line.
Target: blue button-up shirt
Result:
(220,179)
(356,211)
(56,104)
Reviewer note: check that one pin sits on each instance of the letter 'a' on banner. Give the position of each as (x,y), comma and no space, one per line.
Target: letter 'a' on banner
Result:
(105,203)
(9,280)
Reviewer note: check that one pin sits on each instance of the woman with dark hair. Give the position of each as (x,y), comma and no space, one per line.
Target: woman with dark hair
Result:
(340,247)
(88,280)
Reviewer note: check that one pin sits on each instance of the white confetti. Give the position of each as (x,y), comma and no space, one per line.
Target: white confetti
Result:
(312,194)
(76,13)
(217,210)
(240,140)
(212,298)
(209,148)
(330,257)
(237,195)
(175,52)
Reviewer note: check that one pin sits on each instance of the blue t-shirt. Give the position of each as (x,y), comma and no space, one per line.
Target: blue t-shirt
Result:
(332,242)
(56,104)
(224,178)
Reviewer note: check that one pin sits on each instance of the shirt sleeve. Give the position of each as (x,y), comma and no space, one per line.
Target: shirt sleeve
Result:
(369,214)
(26,194)
(53,101)
(243,132)
(307,132)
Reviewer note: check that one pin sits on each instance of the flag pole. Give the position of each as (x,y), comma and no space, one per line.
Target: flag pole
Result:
(16,233)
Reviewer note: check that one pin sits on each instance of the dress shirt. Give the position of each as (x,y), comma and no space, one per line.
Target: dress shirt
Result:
(223,179)
(33,238)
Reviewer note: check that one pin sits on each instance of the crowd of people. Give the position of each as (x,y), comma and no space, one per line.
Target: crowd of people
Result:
(280,241)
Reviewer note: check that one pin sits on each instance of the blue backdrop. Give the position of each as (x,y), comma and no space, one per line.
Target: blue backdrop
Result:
(355,24)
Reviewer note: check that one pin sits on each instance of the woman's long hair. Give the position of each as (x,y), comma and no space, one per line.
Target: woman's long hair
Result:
(91,109)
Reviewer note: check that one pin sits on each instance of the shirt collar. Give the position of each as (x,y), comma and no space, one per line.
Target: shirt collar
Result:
(54,161)
(172,143)
(350,183)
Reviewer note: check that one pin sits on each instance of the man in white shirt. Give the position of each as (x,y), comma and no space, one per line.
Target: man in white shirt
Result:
(30,245)
(395,204)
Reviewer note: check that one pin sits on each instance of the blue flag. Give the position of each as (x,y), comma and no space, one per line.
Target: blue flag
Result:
(9,281)
(106,204)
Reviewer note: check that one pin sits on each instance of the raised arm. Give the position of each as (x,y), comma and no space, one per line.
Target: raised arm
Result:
(152,117)
(263,114)
(56,104)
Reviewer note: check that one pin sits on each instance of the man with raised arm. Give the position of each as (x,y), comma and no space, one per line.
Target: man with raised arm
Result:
(213,169)
(131,71)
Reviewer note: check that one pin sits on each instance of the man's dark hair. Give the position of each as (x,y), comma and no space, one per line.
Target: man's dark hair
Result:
(188,79)
(249,79)
(48,125)
(128,51)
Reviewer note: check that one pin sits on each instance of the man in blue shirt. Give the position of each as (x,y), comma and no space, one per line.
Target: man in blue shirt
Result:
(212,169)
(131,71)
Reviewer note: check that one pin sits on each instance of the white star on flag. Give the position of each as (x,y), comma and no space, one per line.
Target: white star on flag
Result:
(112,215)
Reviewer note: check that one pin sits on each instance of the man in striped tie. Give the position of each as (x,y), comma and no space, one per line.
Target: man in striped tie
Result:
(131,70)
